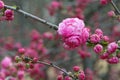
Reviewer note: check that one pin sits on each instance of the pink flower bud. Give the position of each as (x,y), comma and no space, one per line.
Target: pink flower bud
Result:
(1,4)
(81,76)
(94,38)
(113,60)
(48,35)
(111,13)
(98,48)
(103,2)
(21,50)
(83,54)
(20,74)
(76,68)
(2,75)
(6,62)
(67,78)
(106,38)
(35,60)
(55,5)
(104,56)
(8,13)
(35,35)
(99,32)
(112,47)
(59,77)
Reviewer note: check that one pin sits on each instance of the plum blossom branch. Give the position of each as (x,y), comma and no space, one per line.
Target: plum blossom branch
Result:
(26,14)
(53,65)
(35,60)
(115,7)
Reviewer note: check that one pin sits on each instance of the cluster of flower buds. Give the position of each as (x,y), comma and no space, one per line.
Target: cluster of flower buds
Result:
(111,54)
(75,34)
(31,65)
(7,14)
(27,60)
(8,69)
(103,48)
(77,74)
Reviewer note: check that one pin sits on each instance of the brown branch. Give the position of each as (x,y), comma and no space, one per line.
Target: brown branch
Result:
(26,14)
(115,7)
(53,65)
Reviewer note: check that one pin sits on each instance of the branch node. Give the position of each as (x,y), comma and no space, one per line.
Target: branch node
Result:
(17,8)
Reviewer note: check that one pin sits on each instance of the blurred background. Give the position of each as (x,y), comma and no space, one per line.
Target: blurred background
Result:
(21,31)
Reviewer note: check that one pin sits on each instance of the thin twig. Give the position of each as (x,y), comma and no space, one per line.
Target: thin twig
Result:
(115,7)
(53,65)
(26,14)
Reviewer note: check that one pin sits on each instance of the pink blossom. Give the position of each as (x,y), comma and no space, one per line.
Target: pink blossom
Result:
(106,38)
(59,77)
(111,13)
(1,4)
(85,35)
(6,62)
(70,26)
(89,74)
(54,5)
(112,47)
(35,35)
(99,32)
(73,32)
(73,41)
(9,46)
(113,60)
(83,54)
(81,76)
(98,48)
(31,53)
(2,75)
(48,35)
(9,14)
(103,2)
(76,68)
(20,74)
(94,38)
(17,45)
(104,56)
(21,50)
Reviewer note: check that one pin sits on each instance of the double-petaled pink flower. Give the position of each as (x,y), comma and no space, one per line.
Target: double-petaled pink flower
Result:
(113,60)
(112,47)
(98,48)
(73,32)
(6,62)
